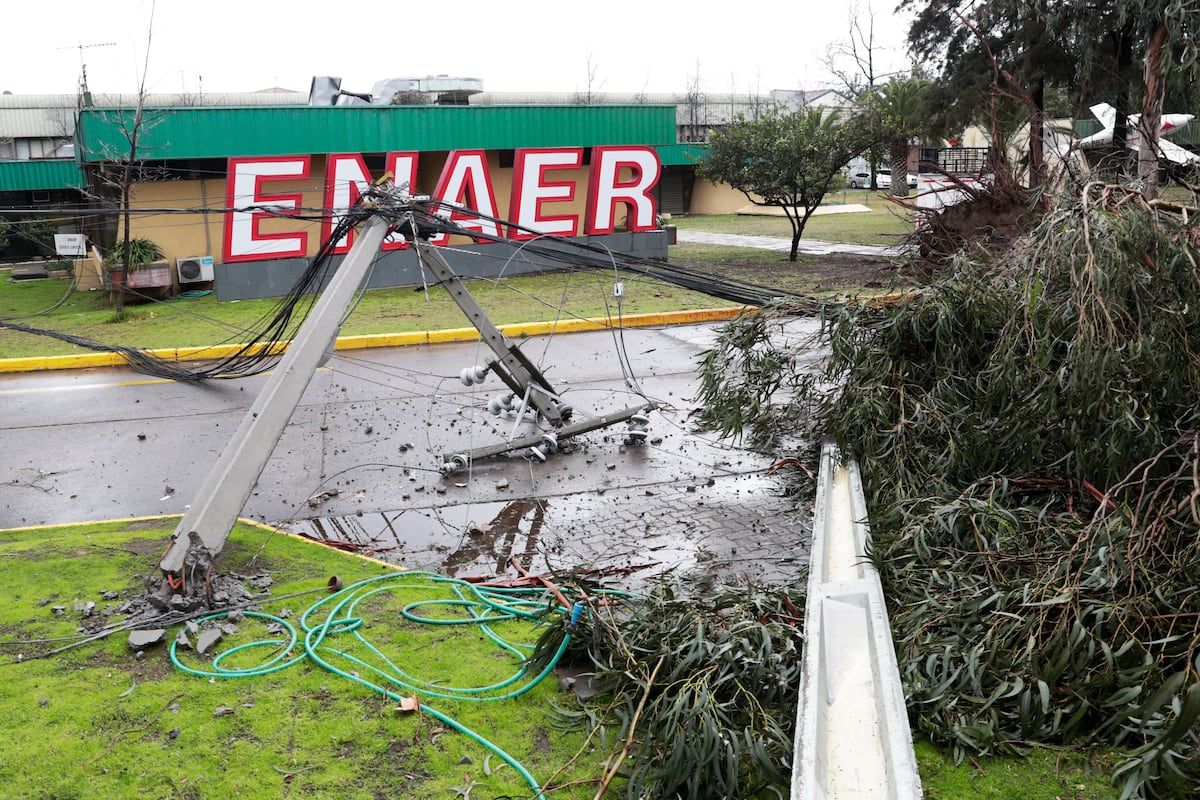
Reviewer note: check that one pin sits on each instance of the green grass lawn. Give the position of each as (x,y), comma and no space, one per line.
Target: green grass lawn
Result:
(887,222)
(101,720)
(1042,774)
(203,321)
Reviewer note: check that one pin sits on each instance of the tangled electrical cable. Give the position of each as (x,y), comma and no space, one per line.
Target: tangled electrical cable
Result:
(420,217)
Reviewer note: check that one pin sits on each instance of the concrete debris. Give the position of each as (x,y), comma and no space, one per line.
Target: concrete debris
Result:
(260,582)
(109,595)
(320,497)
(84,608)
(207,639)
(578,681)
(58,610)
(223,711)
(182,640)
(229,591)
(235,616)
(140,640)
(192,628)
(180,603)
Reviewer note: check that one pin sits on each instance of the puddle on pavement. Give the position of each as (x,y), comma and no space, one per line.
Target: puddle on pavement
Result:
(734,525)
(477,539)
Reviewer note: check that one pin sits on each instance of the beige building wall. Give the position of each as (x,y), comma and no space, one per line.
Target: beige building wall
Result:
(711,198)
(184,235)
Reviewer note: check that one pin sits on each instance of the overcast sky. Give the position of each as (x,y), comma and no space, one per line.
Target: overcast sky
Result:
(219,46)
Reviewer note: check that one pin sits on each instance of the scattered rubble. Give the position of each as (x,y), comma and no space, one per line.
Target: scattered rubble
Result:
(150,637)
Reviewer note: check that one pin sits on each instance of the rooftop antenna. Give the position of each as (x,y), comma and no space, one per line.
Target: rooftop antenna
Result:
(83,85)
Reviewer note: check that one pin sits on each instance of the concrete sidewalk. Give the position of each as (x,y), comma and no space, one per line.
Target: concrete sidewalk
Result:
(807,246)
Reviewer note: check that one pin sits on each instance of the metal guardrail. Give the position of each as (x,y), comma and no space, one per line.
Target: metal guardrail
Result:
(852,734)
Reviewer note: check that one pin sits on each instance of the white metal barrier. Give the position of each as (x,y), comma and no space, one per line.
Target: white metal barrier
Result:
(852,734)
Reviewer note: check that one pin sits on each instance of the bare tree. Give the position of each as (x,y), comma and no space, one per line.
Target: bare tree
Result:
(123,166)
(695,109)
(641,98)
(755,103)
(852,63)
(590,95)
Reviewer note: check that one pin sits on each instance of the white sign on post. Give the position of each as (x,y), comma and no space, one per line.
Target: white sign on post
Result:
(70,244)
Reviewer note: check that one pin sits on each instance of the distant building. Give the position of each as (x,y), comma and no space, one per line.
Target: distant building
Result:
(600,165)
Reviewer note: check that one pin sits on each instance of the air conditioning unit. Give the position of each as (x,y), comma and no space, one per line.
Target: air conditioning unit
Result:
(194,269)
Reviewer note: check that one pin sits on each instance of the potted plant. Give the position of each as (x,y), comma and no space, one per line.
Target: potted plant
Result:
(663,221)
(144,269)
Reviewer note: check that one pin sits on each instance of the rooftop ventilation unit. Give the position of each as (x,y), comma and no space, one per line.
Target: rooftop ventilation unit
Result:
(194,269)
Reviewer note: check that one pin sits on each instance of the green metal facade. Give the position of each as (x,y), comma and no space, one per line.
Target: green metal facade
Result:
(17,176)
(681,155)
(183,133)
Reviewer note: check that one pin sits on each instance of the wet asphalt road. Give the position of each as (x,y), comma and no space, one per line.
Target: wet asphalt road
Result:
(359,461)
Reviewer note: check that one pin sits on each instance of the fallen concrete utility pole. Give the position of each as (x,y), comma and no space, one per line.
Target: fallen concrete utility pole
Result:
(204,529)
(853,740)
(206,525)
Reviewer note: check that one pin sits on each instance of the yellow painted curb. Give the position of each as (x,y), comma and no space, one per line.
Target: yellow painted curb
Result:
(518,330)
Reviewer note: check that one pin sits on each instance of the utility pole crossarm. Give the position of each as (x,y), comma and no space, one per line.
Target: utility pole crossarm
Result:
(511,365)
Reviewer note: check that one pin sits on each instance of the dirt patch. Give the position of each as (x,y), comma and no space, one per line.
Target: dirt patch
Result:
(835,272)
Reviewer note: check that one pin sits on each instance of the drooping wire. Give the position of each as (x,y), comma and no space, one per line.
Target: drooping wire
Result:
(425,218)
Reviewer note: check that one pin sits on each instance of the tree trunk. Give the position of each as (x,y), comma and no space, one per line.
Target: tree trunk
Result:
(1037,135)
(120,285)
(898,147)
(1152,106)
(1121,123)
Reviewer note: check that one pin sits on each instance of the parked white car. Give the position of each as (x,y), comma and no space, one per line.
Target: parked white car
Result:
(887,173)
(862,180)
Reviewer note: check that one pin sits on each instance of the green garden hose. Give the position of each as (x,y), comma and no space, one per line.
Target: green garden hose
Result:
(337,615)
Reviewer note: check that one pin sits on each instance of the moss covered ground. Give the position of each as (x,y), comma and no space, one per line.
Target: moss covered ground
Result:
(100,720)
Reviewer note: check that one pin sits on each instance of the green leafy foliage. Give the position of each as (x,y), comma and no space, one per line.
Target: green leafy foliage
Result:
(141,252)
(707,678)
(784,159)
(1028,434)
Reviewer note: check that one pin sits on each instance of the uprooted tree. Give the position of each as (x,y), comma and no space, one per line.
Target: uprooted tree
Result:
(789,160)
(1030,443)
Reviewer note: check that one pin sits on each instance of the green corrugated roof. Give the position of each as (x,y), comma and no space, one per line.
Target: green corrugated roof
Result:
(193,132)
(686,154)
(18,176)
